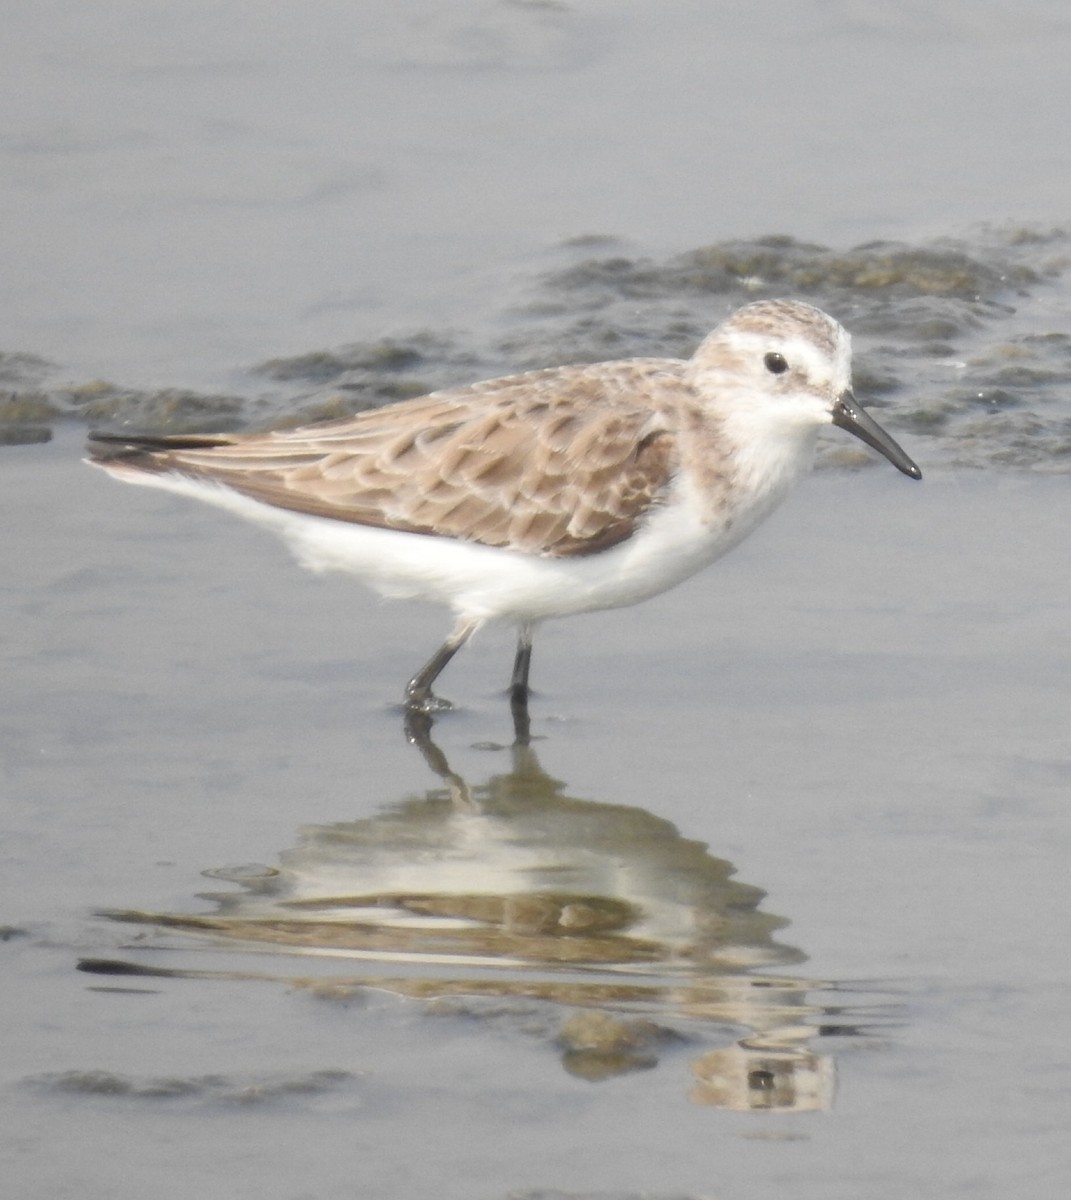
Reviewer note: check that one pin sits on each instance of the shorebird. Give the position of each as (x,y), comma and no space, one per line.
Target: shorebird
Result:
(539,495)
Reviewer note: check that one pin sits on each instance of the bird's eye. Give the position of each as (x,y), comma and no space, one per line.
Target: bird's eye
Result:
(775,363)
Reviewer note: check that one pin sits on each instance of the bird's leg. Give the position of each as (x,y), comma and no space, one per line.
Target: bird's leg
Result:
(418,693)
(518,684)
(518,687)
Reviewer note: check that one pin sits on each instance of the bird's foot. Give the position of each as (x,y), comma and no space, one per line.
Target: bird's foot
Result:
(418,700)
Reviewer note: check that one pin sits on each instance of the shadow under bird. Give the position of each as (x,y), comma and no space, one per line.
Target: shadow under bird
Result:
(559,491)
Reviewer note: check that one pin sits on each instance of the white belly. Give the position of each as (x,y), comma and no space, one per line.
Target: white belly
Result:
(482,581)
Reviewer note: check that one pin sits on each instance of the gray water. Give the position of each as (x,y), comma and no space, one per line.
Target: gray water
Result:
(775,903)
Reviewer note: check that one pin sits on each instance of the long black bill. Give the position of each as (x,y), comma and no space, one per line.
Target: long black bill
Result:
(849,414)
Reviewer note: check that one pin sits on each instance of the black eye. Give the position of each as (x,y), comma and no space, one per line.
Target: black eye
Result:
(775,363)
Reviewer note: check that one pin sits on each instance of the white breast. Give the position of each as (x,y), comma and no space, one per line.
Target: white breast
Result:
(678,539)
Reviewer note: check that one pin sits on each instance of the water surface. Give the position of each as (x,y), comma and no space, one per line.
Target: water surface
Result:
(775,901)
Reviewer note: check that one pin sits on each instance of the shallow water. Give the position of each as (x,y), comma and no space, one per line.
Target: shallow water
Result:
(775,903)
(788,913)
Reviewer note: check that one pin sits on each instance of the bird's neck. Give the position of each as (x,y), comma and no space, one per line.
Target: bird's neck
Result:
(745,464)
(767,452)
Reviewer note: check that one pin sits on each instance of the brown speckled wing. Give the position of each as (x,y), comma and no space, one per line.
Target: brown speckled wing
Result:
(560,462)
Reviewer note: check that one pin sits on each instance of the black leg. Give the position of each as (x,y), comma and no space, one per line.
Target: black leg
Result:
(518,684)
(518,687)
(418,694)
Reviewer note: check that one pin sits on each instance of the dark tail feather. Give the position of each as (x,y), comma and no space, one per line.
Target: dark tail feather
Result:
(138,448)
(174,441)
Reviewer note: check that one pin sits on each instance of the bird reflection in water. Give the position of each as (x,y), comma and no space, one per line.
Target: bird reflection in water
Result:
(636,938)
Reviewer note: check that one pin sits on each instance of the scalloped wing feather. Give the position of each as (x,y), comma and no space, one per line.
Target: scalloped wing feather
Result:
(562,462)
